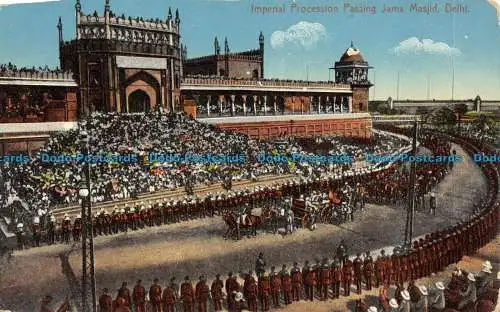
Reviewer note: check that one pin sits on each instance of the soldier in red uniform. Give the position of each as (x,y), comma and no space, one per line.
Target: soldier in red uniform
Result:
(380,268)
(264,291)
(368,268)
(310,280)
(358,272)
(77,228)
(155,296)
(286,283)
(105,302)
(136,218)
(202,292)
(124,293)
(296,282)
(325,279)
(275,287)
(248,279)
(317,269)
(347,276)
(187,295)
(139,297)
(337,277)
(404,269)
(216,290)
(66,228)
(169,298)
(116,221)
(123,221)
(231,285)
(252,291)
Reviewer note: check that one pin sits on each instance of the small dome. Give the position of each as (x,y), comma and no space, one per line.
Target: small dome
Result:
(352,55)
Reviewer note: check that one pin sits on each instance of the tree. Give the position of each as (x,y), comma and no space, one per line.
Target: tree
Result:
(443,116)
(460,109)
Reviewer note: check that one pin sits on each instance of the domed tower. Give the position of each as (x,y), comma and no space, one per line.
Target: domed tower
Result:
(353,69)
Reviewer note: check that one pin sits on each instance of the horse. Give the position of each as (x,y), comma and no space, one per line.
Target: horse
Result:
(250,222)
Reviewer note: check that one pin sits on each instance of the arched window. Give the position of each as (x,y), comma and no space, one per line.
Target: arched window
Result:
(255,74)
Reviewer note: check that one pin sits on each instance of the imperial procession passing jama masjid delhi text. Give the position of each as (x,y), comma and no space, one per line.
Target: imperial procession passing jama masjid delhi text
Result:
(295,7)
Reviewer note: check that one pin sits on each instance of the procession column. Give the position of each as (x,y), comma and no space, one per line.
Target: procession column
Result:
(232,105)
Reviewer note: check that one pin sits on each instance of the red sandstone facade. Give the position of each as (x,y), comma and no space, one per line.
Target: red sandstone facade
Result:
(357,126)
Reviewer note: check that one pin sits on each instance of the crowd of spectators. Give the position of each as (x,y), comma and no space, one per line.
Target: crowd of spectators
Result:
(9,69)
(42,184)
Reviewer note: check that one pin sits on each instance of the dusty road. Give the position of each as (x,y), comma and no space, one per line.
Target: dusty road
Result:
(196,247)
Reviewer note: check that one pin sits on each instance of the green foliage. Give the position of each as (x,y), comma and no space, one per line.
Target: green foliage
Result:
(443,116)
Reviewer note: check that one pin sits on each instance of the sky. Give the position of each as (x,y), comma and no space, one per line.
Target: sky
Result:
(421,48)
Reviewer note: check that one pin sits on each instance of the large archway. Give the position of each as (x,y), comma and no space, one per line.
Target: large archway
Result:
(144,89)
(139,102)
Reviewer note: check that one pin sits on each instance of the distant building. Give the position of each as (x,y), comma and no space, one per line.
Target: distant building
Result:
(240,65)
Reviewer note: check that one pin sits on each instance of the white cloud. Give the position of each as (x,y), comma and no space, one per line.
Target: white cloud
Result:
(496,5)
(413,45)
(303,33)
(4,3)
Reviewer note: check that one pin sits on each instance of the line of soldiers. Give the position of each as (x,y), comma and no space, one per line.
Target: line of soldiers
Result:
(428,255)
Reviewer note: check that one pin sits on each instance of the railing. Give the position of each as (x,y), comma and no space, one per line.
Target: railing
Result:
(262,83)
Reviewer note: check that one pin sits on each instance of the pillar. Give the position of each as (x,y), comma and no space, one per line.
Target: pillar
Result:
(255,98)
(350,104)
(208,105)
(244,98)
(342,104)
(275,104)
(302,106)
(319,104)
(265,104)
(232,105)
(221,98)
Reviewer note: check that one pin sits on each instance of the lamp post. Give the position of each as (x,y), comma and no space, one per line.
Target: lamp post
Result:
(410,213)
(88,276)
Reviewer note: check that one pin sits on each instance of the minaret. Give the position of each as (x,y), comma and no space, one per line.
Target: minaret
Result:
(106,19)
(60,29)
(78,13)
(226,58)
(177,18)
(261,48)
(216,46)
